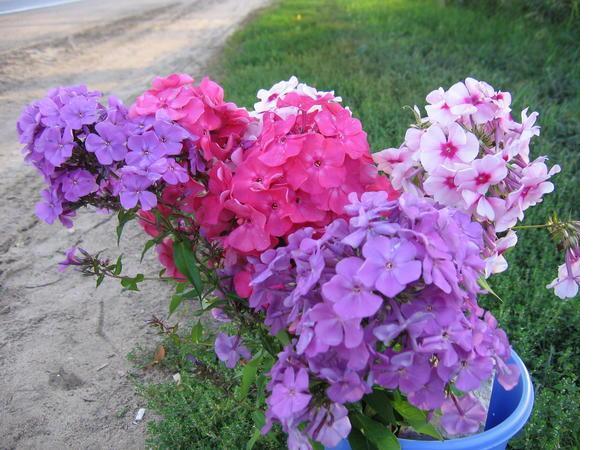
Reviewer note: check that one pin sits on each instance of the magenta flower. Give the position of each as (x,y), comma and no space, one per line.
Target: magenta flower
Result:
(345,132)
(109,144)
(389,265)
(464,415)
(437,149)
(250,234)
(290,396)
(351,297)
(230,349)
(316,168)
(281,146)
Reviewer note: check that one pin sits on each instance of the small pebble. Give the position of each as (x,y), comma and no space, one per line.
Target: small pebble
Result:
(140,415)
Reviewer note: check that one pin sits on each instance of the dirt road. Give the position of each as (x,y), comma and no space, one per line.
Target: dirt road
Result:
(63,344)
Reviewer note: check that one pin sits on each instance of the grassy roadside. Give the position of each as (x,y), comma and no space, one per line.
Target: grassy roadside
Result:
(380,55)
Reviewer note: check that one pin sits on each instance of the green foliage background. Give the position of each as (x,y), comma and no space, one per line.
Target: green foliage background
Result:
(381,55)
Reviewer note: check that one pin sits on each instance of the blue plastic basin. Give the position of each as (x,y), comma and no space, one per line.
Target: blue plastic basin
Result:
(508,413)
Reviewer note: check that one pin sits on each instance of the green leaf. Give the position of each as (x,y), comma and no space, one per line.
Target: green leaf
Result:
(485,285)
(259,422)
(375,432)
(252,441)
(382,406)
(99,280)
(261,384)
(186,264)
(124,216)
(189,294)
(175,302)
(118,266)
(317,445)
(131,284)
(149,244)
(249,375)
(358,441)
(196,333)
(457,392)
(283,337)
(415,417)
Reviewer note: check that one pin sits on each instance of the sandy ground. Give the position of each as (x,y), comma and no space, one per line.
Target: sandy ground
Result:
(64,380)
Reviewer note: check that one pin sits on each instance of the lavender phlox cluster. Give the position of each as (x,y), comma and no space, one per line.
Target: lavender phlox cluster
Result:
(92,154)
(386,298)
(470,153)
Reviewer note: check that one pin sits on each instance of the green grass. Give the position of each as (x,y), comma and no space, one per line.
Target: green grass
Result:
(204,410)
(381,55)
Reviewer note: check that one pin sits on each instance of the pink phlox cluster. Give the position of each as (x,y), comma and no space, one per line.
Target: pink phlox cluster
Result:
(307,155)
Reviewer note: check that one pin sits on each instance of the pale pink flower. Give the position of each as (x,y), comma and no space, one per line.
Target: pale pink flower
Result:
(567,283)
(412,138)
(472,98)
(438,109)
(402,176)
(506,214)
(438,149)
(440,184)
(485,207)
(523,133)
(268,98)
(387,159)
(496,263)
(534,184)
(482,173)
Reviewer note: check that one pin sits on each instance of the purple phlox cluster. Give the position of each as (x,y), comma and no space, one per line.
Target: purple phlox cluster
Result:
(386,298)
(154,143)
(91,154)
(52,130)
(471,154)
